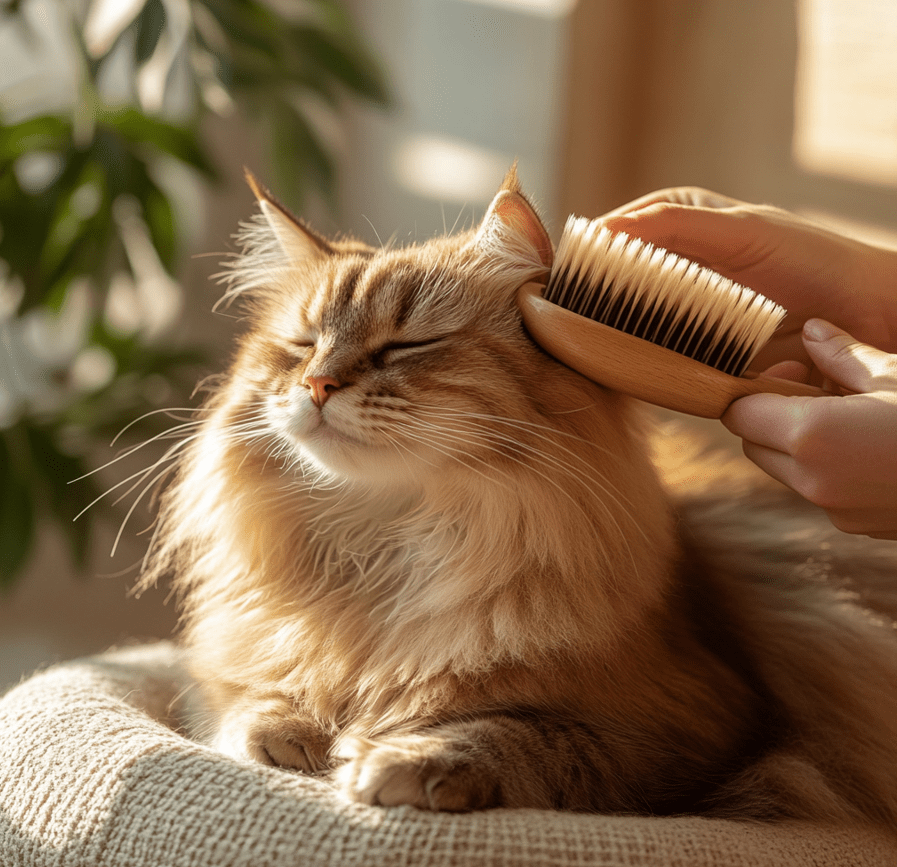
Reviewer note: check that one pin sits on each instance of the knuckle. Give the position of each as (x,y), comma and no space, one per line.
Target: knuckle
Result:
(846,350)
(886,375)
(846,522)
(806,439)
(819,491)
(690,195)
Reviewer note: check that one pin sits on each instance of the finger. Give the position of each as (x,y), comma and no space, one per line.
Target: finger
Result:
(786,345)
(768,420)
(780,466)
(720,238)
(890,533)
(877,523)
(793,370)
(851,364)
(695,197)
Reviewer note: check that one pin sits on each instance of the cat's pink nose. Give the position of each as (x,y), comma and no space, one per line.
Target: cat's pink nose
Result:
(321,387)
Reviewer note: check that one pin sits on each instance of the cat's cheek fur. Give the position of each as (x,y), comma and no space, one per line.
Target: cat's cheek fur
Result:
(309,435)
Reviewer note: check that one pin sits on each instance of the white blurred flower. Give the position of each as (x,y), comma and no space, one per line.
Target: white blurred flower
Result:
(44,357)
(154,298)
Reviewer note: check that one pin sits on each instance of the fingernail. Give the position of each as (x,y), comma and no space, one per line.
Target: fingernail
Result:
(819,330)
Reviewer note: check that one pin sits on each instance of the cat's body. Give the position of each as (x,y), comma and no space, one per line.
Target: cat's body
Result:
(420,555)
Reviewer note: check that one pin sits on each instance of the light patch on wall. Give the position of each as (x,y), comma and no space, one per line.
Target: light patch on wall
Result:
(542,8)
(449,170)
(845,122)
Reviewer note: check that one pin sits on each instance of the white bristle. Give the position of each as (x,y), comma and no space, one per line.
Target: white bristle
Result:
(656,295)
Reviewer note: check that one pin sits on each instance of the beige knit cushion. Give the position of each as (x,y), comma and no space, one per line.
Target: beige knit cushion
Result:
(93,772)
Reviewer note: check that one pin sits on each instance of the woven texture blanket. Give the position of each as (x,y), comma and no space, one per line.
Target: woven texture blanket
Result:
(93,771)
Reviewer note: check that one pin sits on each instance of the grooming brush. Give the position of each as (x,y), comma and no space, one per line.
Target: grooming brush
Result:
(646,322)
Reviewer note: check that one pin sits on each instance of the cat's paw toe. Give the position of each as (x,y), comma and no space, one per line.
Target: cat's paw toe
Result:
(416,770)
(282,741)
(299,751)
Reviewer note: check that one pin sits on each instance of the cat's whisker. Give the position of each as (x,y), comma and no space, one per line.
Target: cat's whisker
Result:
(537,430)
(134,505)
(551,432)
(584,408)
(167,411)
(399,446)
(169,434)
(575,471)
(169,456)
(441,432)
(433,443)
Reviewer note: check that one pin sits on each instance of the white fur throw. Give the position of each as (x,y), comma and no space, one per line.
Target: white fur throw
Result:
(93,773)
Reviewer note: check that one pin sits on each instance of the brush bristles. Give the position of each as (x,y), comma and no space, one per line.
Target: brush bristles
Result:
(660,297)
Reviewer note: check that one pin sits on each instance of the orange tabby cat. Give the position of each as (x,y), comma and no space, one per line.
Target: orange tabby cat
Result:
(420,556)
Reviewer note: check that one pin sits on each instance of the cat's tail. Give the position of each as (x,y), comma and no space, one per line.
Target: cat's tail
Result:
(814,617)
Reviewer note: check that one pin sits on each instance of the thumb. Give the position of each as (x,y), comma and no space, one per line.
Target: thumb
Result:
(851,364)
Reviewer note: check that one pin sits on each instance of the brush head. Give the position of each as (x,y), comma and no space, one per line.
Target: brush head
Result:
(660,297)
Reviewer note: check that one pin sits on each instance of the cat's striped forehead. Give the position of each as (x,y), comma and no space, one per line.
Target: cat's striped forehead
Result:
(389,290)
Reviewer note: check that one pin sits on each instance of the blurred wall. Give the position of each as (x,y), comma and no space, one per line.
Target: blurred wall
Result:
(478,84)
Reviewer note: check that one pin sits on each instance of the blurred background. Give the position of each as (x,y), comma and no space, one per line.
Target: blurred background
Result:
(125,126)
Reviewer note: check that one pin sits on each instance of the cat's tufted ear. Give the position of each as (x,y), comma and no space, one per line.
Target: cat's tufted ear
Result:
(297,240)
(512,223)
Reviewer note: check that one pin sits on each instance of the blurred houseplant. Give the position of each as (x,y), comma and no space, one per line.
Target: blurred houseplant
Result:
(89,232)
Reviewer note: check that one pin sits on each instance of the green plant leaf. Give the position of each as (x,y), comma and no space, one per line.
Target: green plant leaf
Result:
(344,60)
(69,228)
(149,26)
(150,133)
(300,159)
(44,133)
(160,220)
(249,24)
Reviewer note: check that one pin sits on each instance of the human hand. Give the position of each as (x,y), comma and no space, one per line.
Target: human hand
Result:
(839,453)
(809,270)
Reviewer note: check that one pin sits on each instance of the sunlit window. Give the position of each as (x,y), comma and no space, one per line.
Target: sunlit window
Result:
(846,89)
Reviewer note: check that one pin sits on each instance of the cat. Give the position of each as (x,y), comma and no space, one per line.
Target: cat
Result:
(422,559)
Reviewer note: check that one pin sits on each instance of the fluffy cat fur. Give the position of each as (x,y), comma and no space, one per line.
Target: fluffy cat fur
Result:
(419,556)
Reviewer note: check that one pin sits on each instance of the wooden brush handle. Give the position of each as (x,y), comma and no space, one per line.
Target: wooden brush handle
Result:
(759,383)
(639,368)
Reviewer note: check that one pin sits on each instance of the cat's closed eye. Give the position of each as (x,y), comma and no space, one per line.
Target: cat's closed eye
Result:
(398,349)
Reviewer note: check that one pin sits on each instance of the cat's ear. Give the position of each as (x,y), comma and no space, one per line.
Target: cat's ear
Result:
(297,241)
(513,223)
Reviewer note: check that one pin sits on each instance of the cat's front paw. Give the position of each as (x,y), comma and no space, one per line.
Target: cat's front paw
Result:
(274,736)
(420,770)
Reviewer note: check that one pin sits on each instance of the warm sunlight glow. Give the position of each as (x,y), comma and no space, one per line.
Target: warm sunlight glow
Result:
(449,170)
(845,121)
